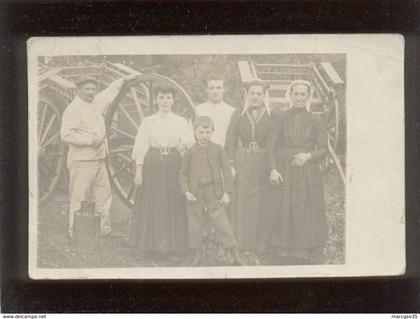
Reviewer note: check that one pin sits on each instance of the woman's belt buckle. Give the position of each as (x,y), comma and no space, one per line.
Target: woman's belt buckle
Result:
(253,146)
(164,150)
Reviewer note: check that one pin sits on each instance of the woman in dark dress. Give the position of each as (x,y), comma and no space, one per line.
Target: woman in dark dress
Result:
(246,148)
(298,142)
(159,224)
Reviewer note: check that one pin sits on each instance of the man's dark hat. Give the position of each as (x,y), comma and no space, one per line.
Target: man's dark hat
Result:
(85,79)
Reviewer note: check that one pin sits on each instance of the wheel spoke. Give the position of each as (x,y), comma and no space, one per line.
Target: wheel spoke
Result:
(121,169)
(124,157)
(52,138)
(137,102)
(130,119)
(120,150)
(44,113)
(131,191)
(52,119)
(123,133)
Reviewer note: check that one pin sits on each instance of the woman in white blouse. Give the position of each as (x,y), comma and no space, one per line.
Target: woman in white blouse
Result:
(159,217)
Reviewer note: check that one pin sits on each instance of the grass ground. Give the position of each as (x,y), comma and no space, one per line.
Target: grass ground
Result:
(54,250)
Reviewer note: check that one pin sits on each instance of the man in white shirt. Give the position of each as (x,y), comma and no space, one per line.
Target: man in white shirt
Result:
(218,110)
(83,128)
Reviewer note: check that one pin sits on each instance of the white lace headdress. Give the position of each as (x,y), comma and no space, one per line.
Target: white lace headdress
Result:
(311,91)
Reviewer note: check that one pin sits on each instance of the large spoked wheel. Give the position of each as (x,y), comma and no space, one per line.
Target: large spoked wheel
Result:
(124,116)
(333,135)
(51,152)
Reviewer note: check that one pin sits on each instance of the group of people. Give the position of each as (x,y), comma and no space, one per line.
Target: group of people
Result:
(249,175)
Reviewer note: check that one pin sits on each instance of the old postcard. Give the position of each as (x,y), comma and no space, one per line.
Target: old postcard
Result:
(252,156)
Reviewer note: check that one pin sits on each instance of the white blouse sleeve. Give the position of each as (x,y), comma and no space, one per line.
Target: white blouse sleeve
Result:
(142,143)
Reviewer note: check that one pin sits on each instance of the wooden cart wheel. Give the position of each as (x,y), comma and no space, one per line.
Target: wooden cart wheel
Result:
(51,151)
(124,116)
(333,133)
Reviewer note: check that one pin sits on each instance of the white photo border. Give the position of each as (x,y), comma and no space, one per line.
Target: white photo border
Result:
(375,189)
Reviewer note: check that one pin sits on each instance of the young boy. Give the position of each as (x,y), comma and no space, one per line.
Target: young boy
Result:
(206,179)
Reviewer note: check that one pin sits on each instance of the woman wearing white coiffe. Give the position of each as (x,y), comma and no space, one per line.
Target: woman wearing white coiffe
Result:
(246,148)
(159,222)
(298,142)
(83,128)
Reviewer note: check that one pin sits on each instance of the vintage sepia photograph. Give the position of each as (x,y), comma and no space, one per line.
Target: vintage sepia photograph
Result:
(221,161)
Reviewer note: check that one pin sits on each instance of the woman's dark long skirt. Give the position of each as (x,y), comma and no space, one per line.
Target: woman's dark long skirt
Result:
(249,197)
(295,225)
(159,216)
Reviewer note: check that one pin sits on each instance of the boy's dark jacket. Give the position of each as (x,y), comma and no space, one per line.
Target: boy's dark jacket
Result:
(222,175)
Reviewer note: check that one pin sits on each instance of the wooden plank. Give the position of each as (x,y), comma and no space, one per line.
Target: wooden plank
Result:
(48,73)
(62,81)
(286,100)
(279,86)
(279,82)
(332,74)
(126,68)
(245,71)
(283,65)
(321,80)
(254,71)
(283,73)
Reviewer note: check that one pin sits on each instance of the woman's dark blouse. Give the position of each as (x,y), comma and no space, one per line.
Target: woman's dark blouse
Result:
(297,131)
(244,129)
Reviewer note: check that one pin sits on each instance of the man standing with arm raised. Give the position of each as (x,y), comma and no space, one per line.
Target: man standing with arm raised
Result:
(83,128)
